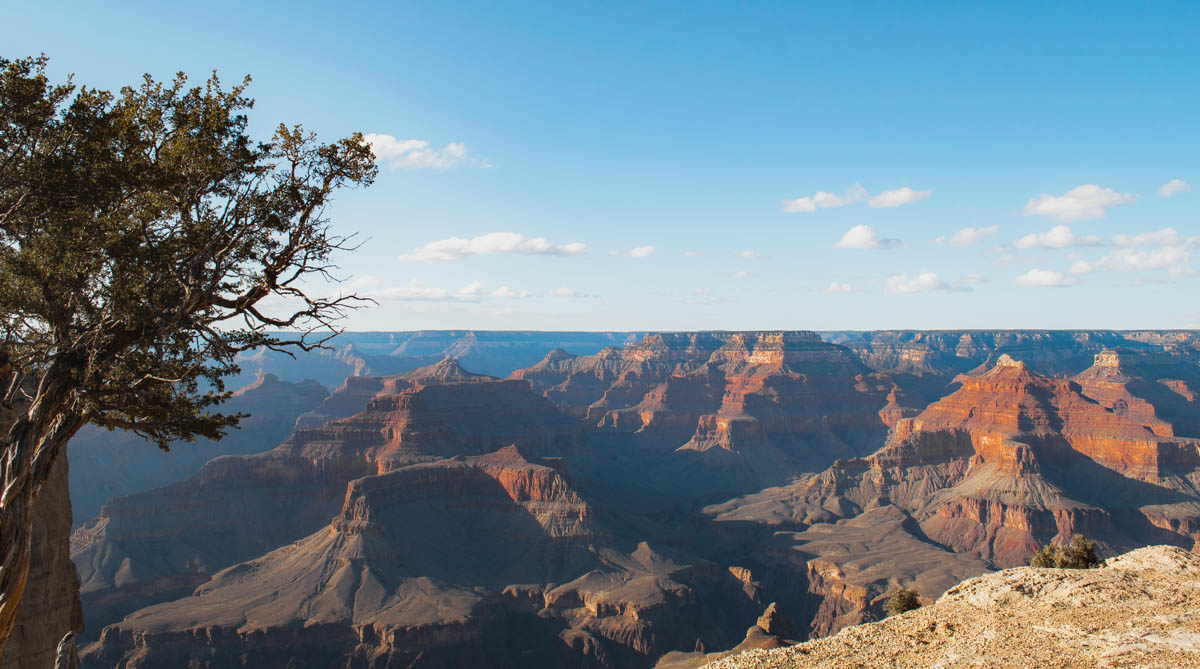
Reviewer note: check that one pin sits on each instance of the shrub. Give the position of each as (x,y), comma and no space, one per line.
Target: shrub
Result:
(902,600)
(1079,554)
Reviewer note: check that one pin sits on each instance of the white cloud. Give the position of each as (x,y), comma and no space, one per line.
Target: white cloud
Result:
(1082,267)
(742,274)
(864,237)
(418,154)
(1164,237)
(641,251)
(1079,203)
(456,248)
(750,255)
(1173,258)
(823,200)
(1046,278)
(1147,251)
(566,291)
(923,282)
(471,290)
(507,293)
(897,197)
(967,236)
(1174,186)
(417,291)
(1058,237)
(835,287)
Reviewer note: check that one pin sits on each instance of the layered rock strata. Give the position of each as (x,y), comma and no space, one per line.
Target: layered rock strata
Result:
(1009,462)
(441,564)
(161,544)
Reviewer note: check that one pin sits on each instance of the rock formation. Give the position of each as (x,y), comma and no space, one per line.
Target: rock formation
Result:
(1010,461)
(1138,610)
(604,509)
(727,411)
(434,561)
(111,464)
(50,607)
(160,544)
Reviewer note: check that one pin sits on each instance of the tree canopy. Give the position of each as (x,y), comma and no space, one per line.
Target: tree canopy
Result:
(145,240)
(1079,554)
(902,600)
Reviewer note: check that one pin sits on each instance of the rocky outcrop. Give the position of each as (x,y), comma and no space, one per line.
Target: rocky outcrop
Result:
(773,629)
(1011,461)
(1138,610)
(1157,389)
(50,607)
(111,464)
(160,544)
(356,391)
(727,411)
(981,479)
(443,563)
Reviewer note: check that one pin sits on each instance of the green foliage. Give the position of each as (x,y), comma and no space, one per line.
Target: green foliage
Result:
(1079,554)
(141,235)
(902,600)
(1045,558)
(146,240)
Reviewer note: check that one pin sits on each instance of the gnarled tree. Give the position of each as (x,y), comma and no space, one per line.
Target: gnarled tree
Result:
(146,240)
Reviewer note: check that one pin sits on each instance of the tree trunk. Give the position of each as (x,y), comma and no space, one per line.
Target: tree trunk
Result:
(35,440)
(16,520)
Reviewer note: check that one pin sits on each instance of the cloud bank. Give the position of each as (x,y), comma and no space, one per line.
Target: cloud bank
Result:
(419,154)
(457,248)
(864,238)
(1078,204)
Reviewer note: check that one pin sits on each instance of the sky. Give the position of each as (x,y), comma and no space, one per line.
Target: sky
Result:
(694,165)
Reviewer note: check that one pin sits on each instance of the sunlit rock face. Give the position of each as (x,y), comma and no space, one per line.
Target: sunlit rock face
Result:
(1013,460)
(756,406)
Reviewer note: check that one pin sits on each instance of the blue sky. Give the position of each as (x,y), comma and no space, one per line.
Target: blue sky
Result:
(649,163)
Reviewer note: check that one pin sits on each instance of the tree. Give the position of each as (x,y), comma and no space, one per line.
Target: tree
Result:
(145,241)
(1079,554)
(902,600)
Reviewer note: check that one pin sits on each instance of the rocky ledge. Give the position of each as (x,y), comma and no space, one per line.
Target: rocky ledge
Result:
(1141,609)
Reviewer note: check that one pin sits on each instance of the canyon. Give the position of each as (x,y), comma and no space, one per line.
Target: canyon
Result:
(623,500)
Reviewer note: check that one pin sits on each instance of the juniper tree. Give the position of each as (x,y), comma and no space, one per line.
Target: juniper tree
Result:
(902,601)
(1079,554)
(145,241)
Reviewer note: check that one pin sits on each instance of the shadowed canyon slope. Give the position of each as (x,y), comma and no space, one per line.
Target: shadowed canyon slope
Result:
(112,464)
(604,509)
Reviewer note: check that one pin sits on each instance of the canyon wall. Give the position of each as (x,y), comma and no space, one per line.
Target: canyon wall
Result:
(605,509)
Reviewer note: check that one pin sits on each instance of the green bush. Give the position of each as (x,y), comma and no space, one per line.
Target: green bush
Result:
(1079,554)
(903,600)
